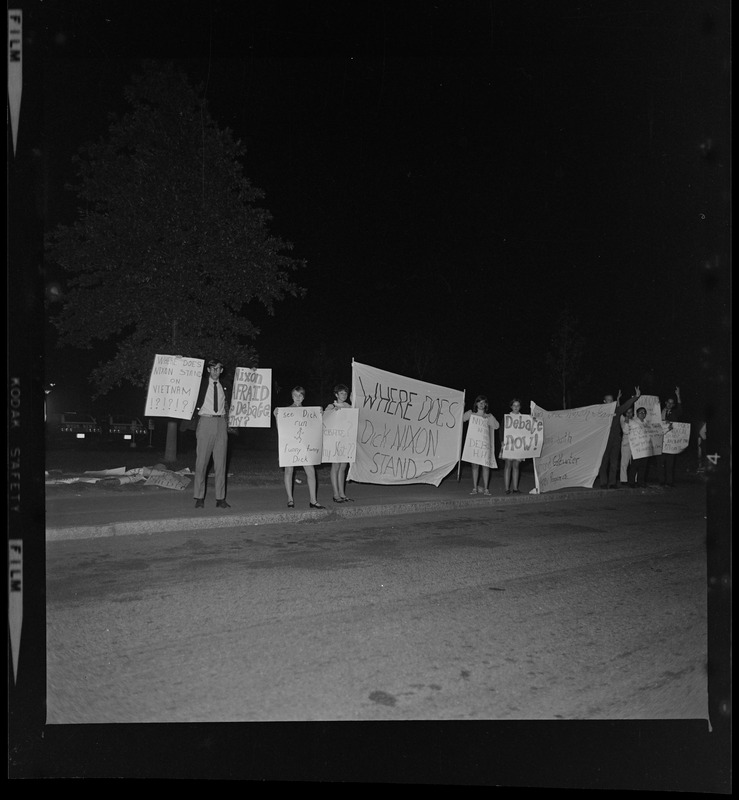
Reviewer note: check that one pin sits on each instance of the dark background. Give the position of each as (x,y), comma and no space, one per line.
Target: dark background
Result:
(455,174)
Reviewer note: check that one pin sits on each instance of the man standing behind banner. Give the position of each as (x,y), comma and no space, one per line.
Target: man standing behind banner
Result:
(608,474)
(211,418)
(672,412)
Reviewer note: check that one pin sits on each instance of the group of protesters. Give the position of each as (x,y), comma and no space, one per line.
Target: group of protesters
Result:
(618,466)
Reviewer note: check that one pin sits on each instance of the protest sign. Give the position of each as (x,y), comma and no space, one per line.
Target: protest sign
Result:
(409,431)
(677,439)
(251,398)
(167,480)
(652,422)
(340,435)
(299,434)
(173,386)
(640,440)
(478,443)
(574,442)
(523,436)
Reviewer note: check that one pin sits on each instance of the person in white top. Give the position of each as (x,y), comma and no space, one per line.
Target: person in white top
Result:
(338,469)
(511,470)
(480,409)
(626,418)
(298,395)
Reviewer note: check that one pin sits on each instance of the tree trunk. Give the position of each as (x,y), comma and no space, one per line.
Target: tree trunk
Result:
(170,451)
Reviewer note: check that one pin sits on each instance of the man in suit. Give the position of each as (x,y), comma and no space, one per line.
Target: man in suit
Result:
(608,473)
(211,413)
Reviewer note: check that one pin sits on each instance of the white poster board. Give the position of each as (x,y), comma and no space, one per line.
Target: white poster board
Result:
(478,445)
(174,384)
(677,439)
(574,442)
(340,435)
(251,398)
(409,431)
(652,422)
(299,434)
(523,436)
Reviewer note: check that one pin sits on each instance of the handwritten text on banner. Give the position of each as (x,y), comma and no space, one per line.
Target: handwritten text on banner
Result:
(574,442)
(408,431)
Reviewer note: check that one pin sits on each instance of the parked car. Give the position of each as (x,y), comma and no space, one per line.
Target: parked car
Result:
(123,429)
(73,427)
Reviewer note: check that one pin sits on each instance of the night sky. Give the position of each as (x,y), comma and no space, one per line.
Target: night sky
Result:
(456,174)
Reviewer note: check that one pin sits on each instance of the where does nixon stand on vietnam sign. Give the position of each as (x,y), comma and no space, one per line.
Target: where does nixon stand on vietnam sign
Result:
(173,386)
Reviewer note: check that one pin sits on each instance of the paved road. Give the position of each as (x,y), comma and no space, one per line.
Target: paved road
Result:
(587,610)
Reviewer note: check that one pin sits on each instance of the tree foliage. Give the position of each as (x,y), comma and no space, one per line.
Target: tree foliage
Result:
(170,247)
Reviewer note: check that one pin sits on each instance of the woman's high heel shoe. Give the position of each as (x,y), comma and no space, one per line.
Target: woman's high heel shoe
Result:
(316,505)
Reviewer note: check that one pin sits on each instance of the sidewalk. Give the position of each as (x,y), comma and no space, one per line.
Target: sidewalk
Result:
(87,511)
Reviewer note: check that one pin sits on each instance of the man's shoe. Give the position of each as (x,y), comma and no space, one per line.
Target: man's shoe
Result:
(199,503)
(222,504)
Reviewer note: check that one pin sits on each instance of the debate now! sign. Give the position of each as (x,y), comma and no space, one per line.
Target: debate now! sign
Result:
(409,431)
(523,436)
(251,398)
(479,447)
(299,435)
(574,442)
(340,435)
(174,384)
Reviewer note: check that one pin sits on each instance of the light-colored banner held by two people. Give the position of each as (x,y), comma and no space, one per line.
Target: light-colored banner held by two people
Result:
(174,383)
(409,431)
(574,443)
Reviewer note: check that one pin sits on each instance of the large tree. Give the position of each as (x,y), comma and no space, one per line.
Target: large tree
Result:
(170,247)
(565,356)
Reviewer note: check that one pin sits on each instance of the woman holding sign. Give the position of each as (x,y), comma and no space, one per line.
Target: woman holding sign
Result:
(480,409)
(298,395)
(338,468)
(511,469)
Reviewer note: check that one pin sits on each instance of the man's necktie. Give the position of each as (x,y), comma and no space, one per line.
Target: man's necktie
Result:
(215,397)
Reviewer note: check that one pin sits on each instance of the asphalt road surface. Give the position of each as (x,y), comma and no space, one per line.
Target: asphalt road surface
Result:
(594,609)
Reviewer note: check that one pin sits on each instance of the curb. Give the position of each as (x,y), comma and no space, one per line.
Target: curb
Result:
(136,527)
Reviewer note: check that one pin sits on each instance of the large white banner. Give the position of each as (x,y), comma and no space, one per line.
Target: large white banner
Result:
(299,434)
(251,398)
(523,436)
(408,431)
(574,442)
(677,439)
(478,443)
(340,435)
(174,384)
